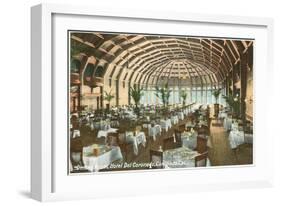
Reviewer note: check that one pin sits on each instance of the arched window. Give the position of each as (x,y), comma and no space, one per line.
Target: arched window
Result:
(89,72)
(75,66)
(99,71)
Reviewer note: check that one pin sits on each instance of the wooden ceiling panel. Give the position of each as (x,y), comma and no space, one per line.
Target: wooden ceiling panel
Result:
(143,54)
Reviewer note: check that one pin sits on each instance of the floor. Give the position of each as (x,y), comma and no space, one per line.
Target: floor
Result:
(220,153)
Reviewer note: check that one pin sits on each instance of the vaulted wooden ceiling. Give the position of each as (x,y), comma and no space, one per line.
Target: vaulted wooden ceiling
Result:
(145,59)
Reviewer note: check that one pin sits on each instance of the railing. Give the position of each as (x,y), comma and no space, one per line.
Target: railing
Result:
(75,78)
(94,81)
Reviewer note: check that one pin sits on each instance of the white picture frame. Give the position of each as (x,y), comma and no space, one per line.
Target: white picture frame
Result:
(50,182)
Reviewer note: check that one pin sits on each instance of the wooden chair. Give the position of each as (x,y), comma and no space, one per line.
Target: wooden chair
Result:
(188,128)
(178,138)
(182,128)
(76,152)
(76,158)
(112,139)
(156,159)
(202,144)
(204,130)
(169,143)
(201,160)
(76,145)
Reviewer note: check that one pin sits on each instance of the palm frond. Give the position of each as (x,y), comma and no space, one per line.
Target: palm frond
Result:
(163,93)
(216,93)
(108,96)
(233,103)
(136,93)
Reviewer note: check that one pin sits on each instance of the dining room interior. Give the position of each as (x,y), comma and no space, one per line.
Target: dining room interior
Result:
(158,101)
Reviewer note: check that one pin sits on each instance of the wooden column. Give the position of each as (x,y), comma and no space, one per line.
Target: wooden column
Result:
(227,85)
(73,104)
(78,99)
(98,103)
(243,77)
(233,80)
(84,62)
(129,96)
(117,92)
(101,97)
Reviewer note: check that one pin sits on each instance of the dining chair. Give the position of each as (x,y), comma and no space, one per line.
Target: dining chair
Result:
(204,130)
(76,152)
(169,143)
(248,137)
(76,158)
(76,144)
(76,164)
(178,138)
(112,139)
(182,127)
(202,143)
(201,160)
(188,128)
(156,159)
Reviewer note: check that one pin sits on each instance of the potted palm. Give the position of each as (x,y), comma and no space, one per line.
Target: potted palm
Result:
(216,93)
(163,94)
(136,93)
(183,95)
(234,104)
(108,97)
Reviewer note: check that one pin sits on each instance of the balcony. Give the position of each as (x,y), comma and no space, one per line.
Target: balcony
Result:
(94,81)
(75,79)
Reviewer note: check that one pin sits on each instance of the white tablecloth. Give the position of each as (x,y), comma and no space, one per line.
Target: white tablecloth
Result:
(96,163)
(203,122)
(103,125)
(174,119)
(114,123)
(234,126)
(222,115)
(154,131)
(76,133)
(189,139)
(236,138)
(185,112)
(181,115)
(130,114)
(190,124)
(248,138)
(166,124)
(136,140)
(179,158)
(103,133)
(227,122)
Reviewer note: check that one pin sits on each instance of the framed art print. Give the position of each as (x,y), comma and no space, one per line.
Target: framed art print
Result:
(133,102)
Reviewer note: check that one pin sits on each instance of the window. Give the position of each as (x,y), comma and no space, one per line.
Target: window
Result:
(89,71)
(99,71)
(75,66)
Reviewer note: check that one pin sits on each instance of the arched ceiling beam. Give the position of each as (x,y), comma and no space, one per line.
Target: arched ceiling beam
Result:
(218,52)
(160,39)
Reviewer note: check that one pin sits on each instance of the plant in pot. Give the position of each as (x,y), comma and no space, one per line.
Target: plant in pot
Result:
(108,97)
(136,93)
(183,95)
(234,104)
(216,93)
(163,93)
